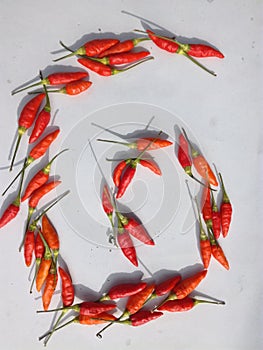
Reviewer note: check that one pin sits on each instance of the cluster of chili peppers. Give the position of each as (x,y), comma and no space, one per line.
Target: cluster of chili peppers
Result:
(172,295)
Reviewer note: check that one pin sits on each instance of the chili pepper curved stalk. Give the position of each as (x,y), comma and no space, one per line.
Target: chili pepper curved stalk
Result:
(36,152)
(182,51)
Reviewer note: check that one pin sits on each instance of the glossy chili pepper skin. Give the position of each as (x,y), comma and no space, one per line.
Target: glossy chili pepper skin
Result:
(136,301)
(156,143)
(184,156)
(49,233)
(68,291)
(216,221)
(207,206)
(40,193)
(137,230)
(142,317)
(126,178)
(89,308)
(98,319)
(29,247)
(179,305)
(205,251)
(163,44)
(123,58)
(64,78)
(95,47)
(42,146)
(200,50)
(43,272)
(49,289)
(29,112)
(151,165)
(36,182)
(96,67)
(219,255)
(117,173)
(127,247)
(204,169)
(106,201)
(39,247)
(76,87)
(225,209)
(166,286)
(121,47)
(9,214)
(123,290)
(40,125)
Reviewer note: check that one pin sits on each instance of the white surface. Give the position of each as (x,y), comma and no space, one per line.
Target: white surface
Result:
(222,115)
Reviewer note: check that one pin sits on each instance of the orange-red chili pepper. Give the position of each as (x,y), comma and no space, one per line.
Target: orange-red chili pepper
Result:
(150,164)
(142,317)
(151,143)
(67,288)
(206,206)
(165,286)
(50,286)
(136,301)
(216,218)
(185,304)
(126,245)
(225,209)
(25,121)
(217,251)
(121,58)
(51,236)
(123,46)
(44,266)
(98,319)
(123,290)
(29,246)
(117,173)
(74,88)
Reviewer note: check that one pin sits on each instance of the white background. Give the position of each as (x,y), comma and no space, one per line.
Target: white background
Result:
(222,114)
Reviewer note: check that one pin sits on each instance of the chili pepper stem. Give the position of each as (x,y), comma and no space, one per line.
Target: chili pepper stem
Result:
(49,334)
(202,301)
(56,329)
(34,278)
(108,325)
(225,196)
(131,144)
(25,88)
(27,163)
(73,53)
(21,132)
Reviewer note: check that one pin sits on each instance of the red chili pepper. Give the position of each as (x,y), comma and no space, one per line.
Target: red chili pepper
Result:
(151,143)
(185,304)
(12,210)
(29,246)
(37,151)
(117,173)
(106,201)
(121,58)
(44,266)
(73,88)
(26,119)
(127,176)
(207,206)
(217,251)
(123,46)
(126,245)
(216,218)
(137,301)
(225,209)
(166,286)
(68,291)
(51,236)
(164,44)
(123,290)
(200,50)
(105,70)
(142,317)
(151,165)
(57,79)
(50,286)
(91,48)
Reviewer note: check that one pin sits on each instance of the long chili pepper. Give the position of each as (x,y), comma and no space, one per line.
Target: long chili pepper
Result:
(91,48)
(39,253)
(151,165)
(72,89)
(105,70)
(121,58)
(201,165)
(50,286)
(201,50)
(40,178)
(51,236)
(116,176)
(12,210)
(25,121)
(56,79)
(29,246)
(225,209)
(126,245)
(185,304)
(123,290)
(141,143)
(216,218)
(165,286)
(217,251)
(123,46)
(42,120)
(142,317)
(106,202)
(206,206)
(37,151)
(175,47)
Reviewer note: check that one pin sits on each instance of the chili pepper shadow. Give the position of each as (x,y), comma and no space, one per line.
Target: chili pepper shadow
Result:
(191,270)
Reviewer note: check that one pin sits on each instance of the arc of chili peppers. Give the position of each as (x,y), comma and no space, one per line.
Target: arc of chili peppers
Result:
(217,251)
(72,89)
(201,165)
(25,121)
(225,209)
(216,218)
(56,79)
(12,210)
(91,48)
(123,290)
(141,143)
(42,119)
(124,46)
(185,304)
(121,58)
(37,151)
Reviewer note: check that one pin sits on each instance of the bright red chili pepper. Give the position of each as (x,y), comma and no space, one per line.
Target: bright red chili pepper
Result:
(206,206)
(50,286)
(127,177)
(217,251)
(29,246)
(121,58)
(123,46)
(166,286)
(164,44)
(26,119)
(117,173)
(200,50)
(150,164)
(225,209)
(105,70)
(142,317)
(37,151)
(91,48)
(123,290)
(216,218)
(151,143)
(126,245)
(73,88)
(68,291)
(185,304)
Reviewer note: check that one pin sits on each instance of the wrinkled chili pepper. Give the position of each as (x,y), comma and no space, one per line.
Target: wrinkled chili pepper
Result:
(91,48)
(25,121)
(12,210)
(50,286)
(163,43)
(141,317)
(207,206)
(185,304)
(51,236)
(121,58)
(105,70)
(123,290)
(72,89)
(123,46)
(201,50)
(225,209)
(216,218)
(151,142)
(56,79)
(217,251)
(126,245)
(165,286)
(201,165)
(37,151)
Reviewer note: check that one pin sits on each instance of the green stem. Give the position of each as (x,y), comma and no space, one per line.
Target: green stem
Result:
(201,301)
(130,145)
(49,334)
(38,261)
(46,169)
(21,131)
(81,51)
(116,71)
(108,325)
(225,196)
(17,201)
(62,326)
(27,87)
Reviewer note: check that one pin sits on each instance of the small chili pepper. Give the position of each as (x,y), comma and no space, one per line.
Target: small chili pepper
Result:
(105,70)
(106,201)
(37,151)
(73,88)
(121,58)
(25,121)
(151,142)
(12,210)
(50,286)
(39,179)
(207,206)
(117,173)
(56,79)
(225,209)
(185,304)
(126,245)
(162,43)
(186,286)
(44,266)
(200,51)
(39,253)
(51,236)
(216,218)
(91,48)
(29,246)
(201,165)
(217,251)
(123,290)
(141,317)
(165,286)
(151,165)
(68,291)
(123,46)
(42,119)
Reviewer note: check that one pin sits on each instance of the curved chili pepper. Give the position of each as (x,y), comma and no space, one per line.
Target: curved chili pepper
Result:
(29,246)
(225,209)
(136,301)
(117,173)
(67,288)
(165,286)
(216,218)
(217,251)
(106,201)
(162,43)
(151,143)
(142,317)
(151,165)
(121,58)
(126,245)
(127,176)
(105,70)
(185,304)
(50,286)
(39,253)
(44,266)
(91,48)
(57,79)
(123,290)
(51,236)
(37,151)
(25,121)
(200,50)
(123,46)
